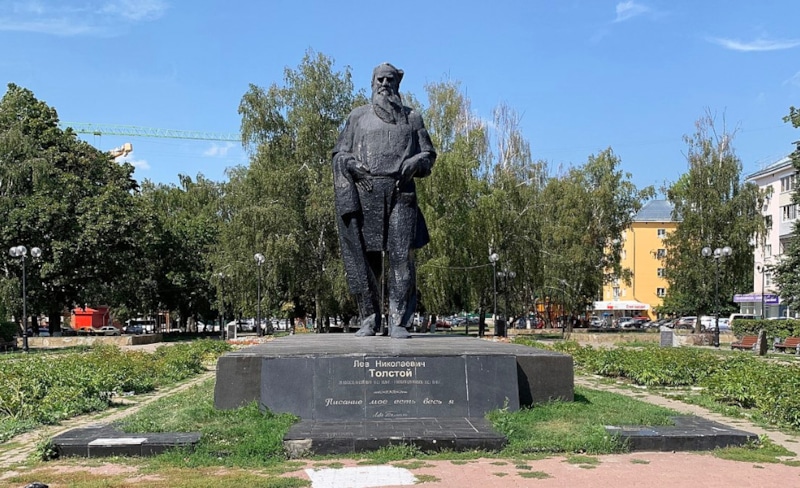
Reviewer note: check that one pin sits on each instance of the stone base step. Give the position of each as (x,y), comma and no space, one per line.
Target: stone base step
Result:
(428,434)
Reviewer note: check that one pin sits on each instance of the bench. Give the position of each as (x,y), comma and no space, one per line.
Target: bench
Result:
(746,343)
(5,346)
(789,344)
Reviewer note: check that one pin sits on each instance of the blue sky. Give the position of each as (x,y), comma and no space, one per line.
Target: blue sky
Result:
(584,74)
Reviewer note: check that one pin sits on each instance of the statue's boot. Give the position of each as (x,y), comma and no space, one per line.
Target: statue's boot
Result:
(370,320)
(397,331)
(367,328)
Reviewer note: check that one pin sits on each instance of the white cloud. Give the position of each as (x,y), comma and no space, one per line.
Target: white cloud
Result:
(217,150)
(630,9)
(757,45)
(139,164)
(93,17)
(135,10)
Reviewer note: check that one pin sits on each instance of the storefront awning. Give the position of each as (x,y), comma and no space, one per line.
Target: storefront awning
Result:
(621,305)
(769,298)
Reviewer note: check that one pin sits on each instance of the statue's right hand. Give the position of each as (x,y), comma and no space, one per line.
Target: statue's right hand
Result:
(360,173)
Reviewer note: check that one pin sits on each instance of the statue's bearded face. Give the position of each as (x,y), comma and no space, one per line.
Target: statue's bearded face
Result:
(386,94)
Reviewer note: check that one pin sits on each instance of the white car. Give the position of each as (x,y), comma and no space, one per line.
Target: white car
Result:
(107,330)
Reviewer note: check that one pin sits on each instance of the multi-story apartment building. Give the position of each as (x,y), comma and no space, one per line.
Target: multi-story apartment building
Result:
(643,253)
(779,180)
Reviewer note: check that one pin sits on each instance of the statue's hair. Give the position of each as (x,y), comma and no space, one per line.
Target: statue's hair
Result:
(391,67)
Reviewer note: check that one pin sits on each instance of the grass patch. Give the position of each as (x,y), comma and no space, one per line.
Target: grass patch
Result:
(538,475)
(500,474)
(426,478)
(639,461)
(577,426)
(764,451)
(244,437)
(414,464)
(583,460)
(79,477)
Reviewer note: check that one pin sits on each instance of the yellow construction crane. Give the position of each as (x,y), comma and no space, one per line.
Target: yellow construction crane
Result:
(121,151)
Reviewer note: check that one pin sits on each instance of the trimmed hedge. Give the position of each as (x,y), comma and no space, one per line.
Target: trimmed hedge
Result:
(774,328)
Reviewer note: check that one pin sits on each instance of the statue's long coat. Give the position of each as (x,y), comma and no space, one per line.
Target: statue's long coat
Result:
(363,217)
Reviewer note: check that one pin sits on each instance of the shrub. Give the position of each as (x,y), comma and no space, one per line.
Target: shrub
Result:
(49,388)
(780,329)
(8,330)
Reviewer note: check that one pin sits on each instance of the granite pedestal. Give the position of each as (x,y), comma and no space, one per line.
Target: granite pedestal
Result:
(690,433)
(102,440)
(360,393)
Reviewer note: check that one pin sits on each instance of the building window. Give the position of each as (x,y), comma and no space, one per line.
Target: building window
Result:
(661,253)
(788,212)
(661,292)
(767,250)
(662,233)
(788,183)
(662,272)
(768,221)
(616,292)
(767,279)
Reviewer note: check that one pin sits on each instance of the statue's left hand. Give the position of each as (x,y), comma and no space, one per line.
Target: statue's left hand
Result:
(408,169)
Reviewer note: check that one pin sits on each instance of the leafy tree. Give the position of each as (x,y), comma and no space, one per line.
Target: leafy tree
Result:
(787,271)
(69,199)
(184,230)
(586,214)
(451,268)
(715,208)
(282,205)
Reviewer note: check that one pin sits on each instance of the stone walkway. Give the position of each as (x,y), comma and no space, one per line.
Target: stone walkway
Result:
(790,442)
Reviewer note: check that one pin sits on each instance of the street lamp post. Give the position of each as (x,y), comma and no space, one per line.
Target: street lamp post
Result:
(259,261)
(761,268)
(22,252)
(717,254)
(222,277)
(493,258)
(505,275)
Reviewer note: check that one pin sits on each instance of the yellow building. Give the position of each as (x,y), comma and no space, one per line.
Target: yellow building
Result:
(643,253)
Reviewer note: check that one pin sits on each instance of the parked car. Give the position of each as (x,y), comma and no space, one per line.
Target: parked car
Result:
(243,325)
(107,330)
(595,321)
(744,316)
(133,329)
(685,322)
(626,323)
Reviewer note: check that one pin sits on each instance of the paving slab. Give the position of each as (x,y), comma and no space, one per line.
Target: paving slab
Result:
(101,440)
(690,433)
(428,434)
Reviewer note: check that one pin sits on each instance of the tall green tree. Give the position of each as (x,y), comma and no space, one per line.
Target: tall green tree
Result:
(69,199)
(715,208)
(184,231)
(451,268)
(587,211)
(787,272)
(282,204)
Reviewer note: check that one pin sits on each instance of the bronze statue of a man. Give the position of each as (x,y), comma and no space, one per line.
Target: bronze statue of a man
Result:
(382,148)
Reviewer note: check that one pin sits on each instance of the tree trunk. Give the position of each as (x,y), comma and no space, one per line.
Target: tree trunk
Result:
(54,318)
